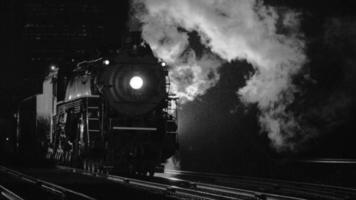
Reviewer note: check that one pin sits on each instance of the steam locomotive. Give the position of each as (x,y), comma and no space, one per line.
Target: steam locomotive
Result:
(112,113)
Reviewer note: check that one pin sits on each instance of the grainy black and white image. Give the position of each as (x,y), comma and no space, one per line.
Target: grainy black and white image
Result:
(177,99)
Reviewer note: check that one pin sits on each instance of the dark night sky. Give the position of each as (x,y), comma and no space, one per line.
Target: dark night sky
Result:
(230,129)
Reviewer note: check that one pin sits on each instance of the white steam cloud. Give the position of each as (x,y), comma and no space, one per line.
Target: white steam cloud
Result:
(232,30)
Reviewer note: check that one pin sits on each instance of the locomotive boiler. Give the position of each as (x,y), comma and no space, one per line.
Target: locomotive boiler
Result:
(114,113)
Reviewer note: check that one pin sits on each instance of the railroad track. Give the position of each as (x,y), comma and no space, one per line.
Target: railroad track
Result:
(38,187)
(300,189)
(183,189)
(6,194)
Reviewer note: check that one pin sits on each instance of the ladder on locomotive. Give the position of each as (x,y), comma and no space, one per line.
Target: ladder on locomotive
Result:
(93,120)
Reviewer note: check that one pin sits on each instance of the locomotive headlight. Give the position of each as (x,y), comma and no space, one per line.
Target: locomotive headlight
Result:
(106,62)
(136,82)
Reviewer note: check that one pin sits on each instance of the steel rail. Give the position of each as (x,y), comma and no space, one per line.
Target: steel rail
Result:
(54,189)
(8,194)
(323,191)
(164,189)
(255,194)
(193,189)
(177,172)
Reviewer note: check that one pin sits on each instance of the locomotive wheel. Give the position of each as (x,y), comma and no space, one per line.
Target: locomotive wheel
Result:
(92,166)
(131,169)
(88,166)
(85,164)
(96,166)
(100,166)
(151,172)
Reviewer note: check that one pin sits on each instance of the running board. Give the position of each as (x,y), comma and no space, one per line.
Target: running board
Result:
(124,128)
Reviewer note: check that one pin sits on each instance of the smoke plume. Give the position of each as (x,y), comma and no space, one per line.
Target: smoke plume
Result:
(231,30)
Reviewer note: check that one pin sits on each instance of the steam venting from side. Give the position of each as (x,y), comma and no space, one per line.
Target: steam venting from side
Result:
(230,30)
(172,164)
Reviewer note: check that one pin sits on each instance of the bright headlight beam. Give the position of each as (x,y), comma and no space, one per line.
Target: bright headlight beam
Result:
(136,82)
(106,62)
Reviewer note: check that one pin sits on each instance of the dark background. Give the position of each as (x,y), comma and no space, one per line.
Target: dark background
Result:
(217,133)
(38,33)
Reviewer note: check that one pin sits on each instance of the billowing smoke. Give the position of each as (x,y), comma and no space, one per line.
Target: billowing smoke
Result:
(230,30)
(172,164)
